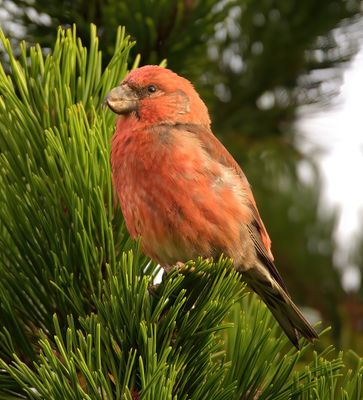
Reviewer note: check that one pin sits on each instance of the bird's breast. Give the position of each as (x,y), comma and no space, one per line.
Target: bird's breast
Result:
(180,202)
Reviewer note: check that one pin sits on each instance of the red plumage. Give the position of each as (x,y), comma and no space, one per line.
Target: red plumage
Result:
(183,193)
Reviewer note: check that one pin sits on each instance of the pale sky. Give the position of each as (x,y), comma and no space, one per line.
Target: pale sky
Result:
(339,131)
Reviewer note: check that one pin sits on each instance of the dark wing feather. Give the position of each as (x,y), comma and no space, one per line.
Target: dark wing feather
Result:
(264,257)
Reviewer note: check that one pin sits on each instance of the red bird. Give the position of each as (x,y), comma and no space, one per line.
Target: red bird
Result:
(184,194)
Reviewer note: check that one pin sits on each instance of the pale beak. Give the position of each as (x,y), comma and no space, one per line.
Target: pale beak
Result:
(122,100)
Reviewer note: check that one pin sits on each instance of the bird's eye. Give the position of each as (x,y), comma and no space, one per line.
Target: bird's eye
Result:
(151,89)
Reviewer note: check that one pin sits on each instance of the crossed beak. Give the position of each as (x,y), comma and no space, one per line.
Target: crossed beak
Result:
(122,100)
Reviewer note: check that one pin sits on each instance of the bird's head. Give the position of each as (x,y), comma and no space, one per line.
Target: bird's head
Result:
(156,95)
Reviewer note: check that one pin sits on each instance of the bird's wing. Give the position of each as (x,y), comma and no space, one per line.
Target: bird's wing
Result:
(257,230)
(218,152)
(263,255)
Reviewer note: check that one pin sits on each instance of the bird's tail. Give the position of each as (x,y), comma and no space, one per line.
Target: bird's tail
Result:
(280,304)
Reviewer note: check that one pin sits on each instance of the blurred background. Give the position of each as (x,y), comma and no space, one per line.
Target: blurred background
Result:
(283,81)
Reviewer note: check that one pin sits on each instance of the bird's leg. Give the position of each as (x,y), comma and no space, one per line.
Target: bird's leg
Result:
(184,268)
(153,289)
(179,266)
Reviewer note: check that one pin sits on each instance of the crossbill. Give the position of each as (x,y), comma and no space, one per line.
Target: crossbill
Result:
(183,194)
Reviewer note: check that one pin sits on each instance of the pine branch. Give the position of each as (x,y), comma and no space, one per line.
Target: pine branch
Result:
(60,227)
(78,318)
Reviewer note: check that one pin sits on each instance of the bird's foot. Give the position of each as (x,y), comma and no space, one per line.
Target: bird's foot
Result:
(153,290)
(184,268)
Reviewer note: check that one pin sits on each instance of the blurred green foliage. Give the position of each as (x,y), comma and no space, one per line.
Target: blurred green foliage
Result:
(79,318)
(254,63)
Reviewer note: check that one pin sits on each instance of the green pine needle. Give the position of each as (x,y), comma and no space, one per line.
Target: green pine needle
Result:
(80,317)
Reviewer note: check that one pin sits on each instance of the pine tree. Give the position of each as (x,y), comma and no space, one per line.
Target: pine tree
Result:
(255,64)
(79,316)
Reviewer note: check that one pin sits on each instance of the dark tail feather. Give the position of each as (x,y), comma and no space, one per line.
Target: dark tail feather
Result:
(280,304)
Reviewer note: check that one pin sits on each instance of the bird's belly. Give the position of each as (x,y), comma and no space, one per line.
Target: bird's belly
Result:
(179,219)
